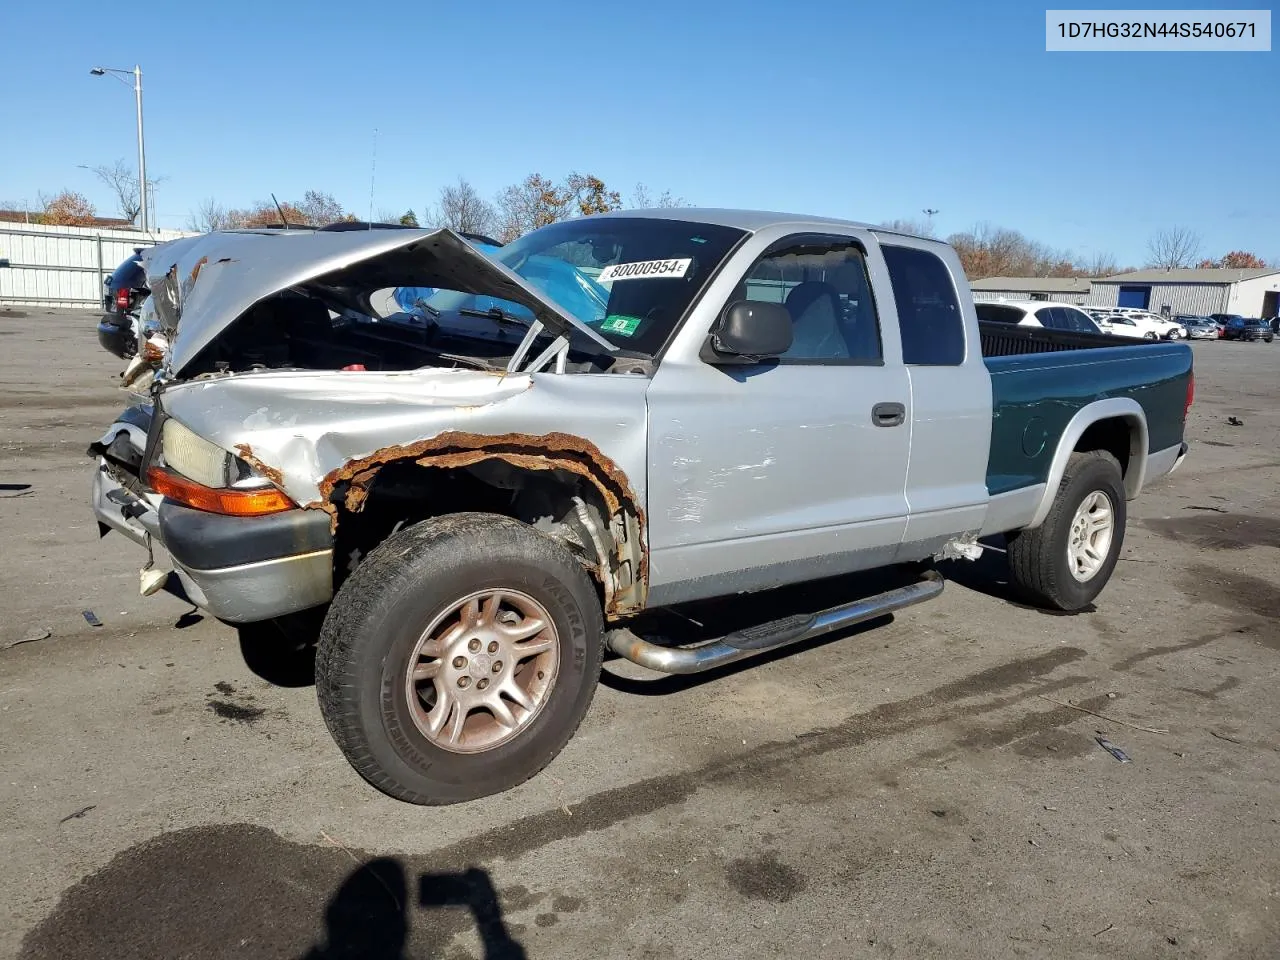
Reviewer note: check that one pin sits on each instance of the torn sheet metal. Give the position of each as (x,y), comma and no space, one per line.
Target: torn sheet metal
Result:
(202,285)
(322,436)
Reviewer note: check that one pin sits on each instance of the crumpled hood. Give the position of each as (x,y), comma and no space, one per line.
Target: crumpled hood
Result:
(202,285)
(299,426)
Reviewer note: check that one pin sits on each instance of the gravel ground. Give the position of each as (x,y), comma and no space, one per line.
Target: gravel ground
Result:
(916,789)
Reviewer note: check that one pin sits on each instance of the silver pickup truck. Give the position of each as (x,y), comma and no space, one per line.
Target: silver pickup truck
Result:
(484,464)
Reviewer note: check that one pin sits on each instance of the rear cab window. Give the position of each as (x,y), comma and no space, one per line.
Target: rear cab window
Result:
(929,316)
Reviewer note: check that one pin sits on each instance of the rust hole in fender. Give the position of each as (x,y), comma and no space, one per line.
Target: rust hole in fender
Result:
(348,486)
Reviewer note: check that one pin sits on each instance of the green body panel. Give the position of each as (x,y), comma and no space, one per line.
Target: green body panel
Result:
(1035,395)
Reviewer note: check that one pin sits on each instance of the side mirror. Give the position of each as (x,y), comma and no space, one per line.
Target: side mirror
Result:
(748,332)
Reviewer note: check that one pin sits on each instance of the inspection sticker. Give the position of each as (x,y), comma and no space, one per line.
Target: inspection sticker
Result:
(620,324)
(644,269)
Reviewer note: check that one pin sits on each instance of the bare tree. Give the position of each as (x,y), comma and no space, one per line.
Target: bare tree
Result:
(320,208)
(1100,265)
(123,181)
(919,228)
(1173,248)
(643,198)
(461,208)
(532,203)
(124,184)
(209,216)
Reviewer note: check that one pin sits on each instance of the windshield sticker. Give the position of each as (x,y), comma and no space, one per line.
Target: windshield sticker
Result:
(620,324)
(644,269)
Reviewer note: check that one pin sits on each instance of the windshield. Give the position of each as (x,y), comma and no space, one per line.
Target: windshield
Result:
(630,279)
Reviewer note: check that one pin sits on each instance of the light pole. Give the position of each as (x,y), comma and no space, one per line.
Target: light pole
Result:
(144,209)
(929,213)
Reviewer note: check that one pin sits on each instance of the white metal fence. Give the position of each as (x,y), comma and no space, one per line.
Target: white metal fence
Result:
(65,266)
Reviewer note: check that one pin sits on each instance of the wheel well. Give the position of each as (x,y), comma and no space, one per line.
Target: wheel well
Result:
(1122,438)
(558,503)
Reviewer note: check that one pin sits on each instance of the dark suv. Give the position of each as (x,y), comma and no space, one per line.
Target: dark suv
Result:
(1248,328)
(122,294)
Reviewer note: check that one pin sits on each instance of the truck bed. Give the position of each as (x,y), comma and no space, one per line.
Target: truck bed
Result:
(1006,339)
(1041,378)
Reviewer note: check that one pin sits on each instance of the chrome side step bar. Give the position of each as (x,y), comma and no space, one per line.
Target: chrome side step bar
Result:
(769,636)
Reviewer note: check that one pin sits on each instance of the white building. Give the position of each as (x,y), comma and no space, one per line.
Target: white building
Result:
(1250,293)
(1058,289)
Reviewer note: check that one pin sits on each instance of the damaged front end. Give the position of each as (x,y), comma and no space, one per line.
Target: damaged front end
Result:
(295,421)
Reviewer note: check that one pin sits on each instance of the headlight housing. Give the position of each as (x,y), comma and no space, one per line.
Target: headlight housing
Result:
(193,471)
(196,458)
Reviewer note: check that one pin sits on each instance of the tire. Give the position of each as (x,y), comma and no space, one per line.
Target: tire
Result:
(1040,566)
(375,628)
(1150,335)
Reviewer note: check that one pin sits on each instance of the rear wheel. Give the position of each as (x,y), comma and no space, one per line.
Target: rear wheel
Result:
(459,658)
(1065,562)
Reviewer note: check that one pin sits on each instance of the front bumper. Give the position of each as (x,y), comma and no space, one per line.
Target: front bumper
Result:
(240,569)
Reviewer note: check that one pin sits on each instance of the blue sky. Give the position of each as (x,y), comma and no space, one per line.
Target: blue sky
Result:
(870,111)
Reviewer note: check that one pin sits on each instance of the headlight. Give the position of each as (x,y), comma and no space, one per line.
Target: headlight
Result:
(191,470)
(194,457)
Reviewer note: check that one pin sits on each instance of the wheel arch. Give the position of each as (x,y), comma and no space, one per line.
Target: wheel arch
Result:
(565,489)
(1100,425)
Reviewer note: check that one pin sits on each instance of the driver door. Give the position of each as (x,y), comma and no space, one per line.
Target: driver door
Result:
(792,468)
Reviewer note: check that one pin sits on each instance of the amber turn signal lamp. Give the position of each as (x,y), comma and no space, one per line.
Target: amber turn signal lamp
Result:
(229,502)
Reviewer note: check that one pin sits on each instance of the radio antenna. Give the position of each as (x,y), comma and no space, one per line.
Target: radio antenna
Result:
(373,170)
(283,222)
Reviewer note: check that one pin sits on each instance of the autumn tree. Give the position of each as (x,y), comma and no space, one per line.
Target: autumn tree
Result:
(68,209)
(590,195)
(1173,248)
(538,201)
(266,214)
(532,203)
(1236,260)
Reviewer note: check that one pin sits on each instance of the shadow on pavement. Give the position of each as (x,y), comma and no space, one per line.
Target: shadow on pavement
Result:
(236,890)
(283,651)
(367,916)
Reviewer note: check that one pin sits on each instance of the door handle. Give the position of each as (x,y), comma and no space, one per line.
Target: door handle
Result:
(888,414)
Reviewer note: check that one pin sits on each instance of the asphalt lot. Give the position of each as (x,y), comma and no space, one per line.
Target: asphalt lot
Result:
(915,790)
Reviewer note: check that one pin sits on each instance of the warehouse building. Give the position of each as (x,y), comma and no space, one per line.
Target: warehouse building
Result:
(1061,289)
(1250,293)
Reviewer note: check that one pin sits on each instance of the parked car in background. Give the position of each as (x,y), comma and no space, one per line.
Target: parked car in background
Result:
(1199,328)
(1222,319)
(1118,325)
(1248,328)
(1148,325)
(1037,313)
(122,294)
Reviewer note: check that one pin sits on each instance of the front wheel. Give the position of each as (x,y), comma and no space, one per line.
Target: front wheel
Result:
(1065,562)
(459,658)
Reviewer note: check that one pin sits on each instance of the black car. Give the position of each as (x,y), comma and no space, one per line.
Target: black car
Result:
(1248,328)
(122,294)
